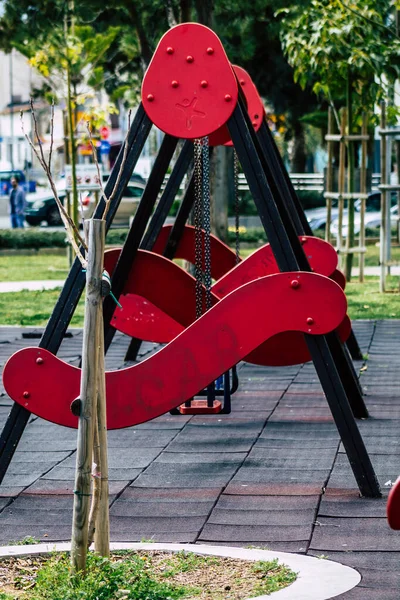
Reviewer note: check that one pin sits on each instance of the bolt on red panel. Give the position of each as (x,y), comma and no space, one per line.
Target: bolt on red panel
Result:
(189,89)
(255,108)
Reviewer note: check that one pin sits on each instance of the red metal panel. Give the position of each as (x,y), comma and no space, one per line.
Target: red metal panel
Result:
(321,255)
(223,258)
(255,108)
(289,348)
(144,320)
(393,506)
(339,278)
(160,282)
(189,89)
(214,343)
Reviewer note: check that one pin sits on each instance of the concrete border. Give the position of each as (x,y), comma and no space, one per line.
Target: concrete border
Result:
(317,579)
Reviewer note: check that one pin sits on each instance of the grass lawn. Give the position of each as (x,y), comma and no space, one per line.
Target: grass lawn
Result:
(34,308)
(33,268)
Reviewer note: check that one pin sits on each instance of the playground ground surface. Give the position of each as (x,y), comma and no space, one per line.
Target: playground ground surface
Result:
(272,474)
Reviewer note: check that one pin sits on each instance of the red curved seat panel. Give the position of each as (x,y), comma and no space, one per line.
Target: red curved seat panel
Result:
(222,337)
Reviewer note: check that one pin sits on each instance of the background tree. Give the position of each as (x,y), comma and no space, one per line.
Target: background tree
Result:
(344,49)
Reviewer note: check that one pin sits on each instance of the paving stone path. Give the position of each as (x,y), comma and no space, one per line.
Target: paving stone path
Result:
(271,474)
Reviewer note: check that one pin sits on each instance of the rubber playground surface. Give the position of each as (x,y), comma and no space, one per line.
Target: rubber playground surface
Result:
(271,474)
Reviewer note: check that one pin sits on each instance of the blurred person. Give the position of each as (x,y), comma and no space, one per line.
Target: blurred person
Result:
(17,204)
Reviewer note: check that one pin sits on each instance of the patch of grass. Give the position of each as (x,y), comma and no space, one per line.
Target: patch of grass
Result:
(26,541)
(104,580)
(33,268)
(365,301)
(142,576)
(273,576)
(33,308)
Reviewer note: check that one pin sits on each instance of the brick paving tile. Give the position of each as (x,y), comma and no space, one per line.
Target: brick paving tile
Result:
(4,502)
(256,533)
(274,489)
(361,593)
(131,508)
(268,503)
(356,534)
(298,547)
(332,506)
(220,516)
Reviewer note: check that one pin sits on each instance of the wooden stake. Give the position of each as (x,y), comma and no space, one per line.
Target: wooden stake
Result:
(341,178)
(384,179)
(329,178)
(102,529)
(88,394)
(363,190)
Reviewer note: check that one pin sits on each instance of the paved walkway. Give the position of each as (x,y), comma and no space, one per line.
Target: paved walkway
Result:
(271,474)
(18,286)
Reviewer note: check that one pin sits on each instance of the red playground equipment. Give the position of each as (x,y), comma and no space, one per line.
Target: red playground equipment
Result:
(281,305)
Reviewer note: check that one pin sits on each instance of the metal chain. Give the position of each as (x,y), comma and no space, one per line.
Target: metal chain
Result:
(237,204)
(197,221)
(207,220)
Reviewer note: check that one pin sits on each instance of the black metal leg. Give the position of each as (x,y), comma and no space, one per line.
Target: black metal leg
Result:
(342,414)
(289,196)
(136,232)
(353,347)
(75,283)
(286,252)
(181,167)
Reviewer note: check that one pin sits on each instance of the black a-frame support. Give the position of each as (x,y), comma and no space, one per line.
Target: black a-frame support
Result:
(275,201)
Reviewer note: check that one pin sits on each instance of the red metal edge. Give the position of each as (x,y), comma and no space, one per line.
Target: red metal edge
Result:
(189,89)
(254,104)
(223,258)
(199,407)
(393,506)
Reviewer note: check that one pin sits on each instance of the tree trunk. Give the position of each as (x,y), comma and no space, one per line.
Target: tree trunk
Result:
(299,156)
(205,10)
(219,181)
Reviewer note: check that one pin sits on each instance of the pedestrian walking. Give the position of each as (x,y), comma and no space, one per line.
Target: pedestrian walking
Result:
(17,204)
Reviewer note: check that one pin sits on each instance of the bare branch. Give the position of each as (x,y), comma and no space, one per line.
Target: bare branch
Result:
(96,162)
(51,133)
(110,198)
(69,225)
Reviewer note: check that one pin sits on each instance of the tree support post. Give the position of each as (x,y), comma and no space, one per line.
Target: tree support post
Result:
(88,393)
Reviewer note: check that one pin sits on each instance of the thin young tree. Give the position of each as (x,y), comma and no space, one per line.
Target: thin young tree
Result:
(90,512)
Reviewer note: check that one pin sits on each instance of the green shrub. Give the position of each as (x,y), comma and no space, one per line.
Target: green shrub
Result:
(32,239)
(311,199)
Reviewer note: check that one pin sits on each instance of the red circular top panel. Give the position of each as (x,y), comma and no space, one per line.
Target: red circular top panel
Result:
(189,89)
(255,108)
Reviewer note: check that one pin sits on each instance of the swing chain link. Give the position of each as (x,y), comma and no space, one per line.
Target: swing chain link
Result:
(207,221)
(197,221)
(237,205)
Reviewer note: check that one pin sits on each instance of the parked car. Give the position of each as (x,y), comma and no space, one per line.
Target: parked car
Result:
(317,216)
(42,207)
(372,214)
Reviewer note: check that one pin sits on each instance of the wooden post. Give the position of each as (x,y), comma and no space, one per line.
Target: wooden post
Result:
(382,253)
(341,179)
(88,393)
(398,191)
(363,191)
(329,178)
(102,528)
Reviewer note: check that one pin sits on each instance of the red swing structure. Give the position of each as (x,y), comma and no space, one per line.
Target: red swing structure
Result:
(284,304)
